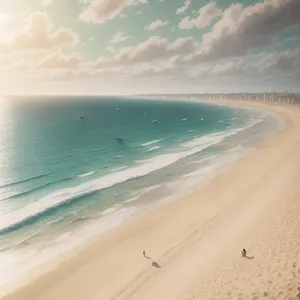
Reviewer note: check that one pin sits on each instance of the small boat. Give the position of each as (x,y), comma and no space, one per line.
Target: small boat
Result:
(183,120)
(155,121)
(119,139)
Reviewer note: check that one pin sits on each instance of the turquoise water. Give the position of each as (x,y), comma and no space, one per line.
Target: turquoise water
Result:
(63,171)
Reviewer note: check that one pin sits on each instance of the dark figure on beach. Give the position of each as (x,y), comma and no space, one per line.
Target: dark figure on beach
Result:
(145,255)
(244,252)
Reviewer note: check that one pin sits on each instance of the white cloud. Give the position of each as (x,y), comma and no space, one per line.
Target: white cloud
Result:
(149,70)
(185,6)
(118,38)
(156,24)
(153,50)
(241,30)
(39,34)
(183,46)
(99,11)
(285,61)
(263,65)
(206,15)
(60,61)
(157,59)
(111,49)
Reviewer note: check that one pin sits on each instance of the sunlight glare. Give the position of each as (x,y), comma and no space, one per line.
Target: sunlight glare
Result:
(5,25)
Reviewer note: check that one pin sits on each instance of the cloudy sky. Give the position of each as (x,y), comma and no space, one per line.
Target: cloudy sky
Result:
(149,46)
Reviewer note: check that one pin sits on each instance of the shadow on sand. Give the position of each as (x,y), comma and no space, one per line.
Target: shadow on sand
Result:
(249,257)
(156,265)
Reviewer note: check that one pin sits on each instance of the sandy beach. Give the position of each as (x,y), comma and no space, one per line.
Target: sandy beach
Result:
(194,243)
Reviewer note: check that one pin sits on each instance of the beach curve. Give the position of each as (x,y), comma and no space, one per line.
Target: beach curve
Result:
(197,242)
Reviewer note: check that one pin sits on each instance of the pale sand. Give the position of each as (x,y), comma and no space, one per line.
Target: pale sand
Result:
(197,240)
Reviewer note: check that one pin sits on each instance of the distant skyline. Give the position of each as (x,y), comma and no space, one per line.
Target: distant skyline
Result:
(117,47)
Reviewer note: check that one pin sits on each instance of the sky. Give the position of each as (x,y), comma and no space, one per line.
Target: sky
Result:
(113,47)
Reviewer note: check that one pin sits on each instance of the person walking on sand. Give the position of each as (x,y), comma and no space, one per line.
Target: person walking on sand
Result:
(145,255)
(244,252)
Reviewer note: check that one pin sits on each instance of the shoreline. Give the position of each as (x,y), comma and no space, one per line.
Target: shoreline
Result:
(162,233)
(175,181)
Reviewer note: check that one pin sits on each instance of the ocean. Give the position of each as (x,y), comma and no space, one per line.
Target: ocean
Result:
(65,178)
